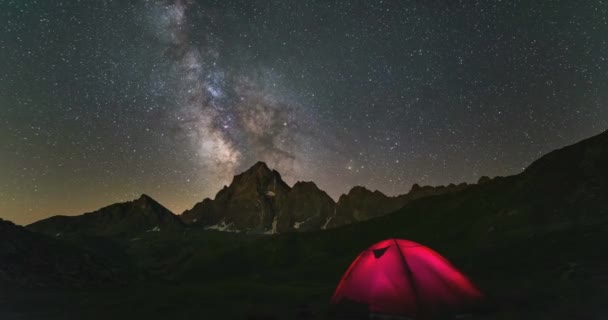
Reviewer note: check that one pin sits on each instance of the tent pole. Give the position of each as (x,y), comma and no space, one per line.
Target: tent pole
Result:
(410,275)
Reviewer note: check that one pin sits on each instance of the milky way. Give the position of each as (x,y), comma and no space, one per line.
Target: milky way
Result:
(230,118)
(101,101)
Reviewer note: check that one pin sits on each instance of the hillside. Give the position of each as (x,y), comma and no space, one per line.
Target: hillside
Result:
(32,260)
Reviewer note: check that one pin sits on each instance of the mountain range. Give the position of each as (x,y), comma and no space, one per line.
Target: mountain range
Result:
(534,242)
(256,201)
(259,200)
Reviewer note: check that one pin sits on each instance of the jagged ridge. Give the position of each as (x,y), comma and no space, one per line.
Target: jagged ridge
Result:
(258,200)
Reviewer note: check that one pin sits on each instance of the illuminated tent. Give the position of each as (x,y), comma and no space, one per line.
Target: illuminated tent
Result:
(404,278)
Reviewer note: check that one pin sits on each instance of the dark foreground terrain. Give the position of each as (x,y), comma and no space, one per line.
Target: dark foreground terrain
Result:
(535,243)
(560,275)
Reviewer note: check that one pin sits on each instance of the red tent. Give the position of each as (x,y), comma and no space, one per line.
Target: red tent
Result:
(401,277)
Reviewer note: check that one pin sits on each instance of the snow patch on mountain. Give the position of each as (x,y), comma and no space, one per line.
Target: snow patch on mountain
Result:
(297,225)
(275,221)
(324,227)
(222,226)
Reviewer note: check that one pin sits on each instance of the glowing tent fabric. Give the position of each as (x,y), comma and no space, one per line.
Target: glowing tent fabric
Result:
(401,277)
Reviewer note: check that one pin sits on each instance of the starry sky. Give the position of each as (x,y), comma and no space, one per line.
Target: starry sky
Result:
(101,101)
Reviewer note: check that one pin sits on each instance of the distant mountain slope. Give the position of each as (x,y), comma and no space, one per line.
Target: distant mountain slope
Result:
(576,177)
(30,259)
(120,219)
(258,200)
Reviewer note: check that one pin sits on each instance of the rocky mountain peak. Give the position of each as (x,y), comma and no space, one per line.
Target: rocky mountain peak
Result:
(305,186)
(145,198)
(259,166)
(260,170)
(358,190)
(252,202)
(260,178)
(147,202)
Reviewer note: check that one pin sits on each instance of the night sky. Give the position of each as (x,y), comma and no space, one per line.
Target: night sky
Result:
(101,101)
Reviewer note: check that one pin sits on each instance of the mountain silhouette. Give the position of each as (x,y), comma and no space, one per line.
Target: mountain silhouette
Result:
(259,201)
(119,219)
